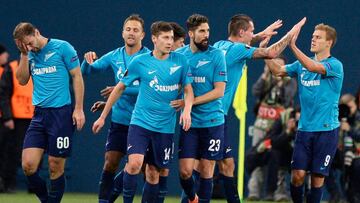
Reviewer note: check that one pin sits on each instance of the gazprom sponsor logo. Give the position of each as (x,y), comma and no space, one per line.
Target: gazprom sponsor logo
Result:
(162,88)
(199,79)
(310,83)
(41,71)
(166,88)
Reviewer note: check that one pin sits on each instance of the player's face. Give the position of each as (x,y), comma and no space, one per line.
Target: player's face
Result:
(164,41)
(319,42)
(248,34)
(132,33)
(200,36)
(32,42)
(178,43)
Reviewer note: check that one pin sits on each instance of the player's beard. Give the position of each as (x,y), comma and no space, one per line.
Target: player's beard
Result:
(202,46)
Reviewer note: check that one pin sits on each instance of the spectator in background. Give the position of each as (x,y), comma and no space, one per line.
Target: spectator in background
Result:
(351,127)
(282,135)
(15,103)
(274,95)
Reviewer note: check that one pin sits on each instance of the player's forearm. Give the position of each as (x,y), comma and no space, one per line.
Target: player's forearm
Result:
(78,86)
(23,73)
(307,62)
(275,49)
(114,96)
(189,98)
(209,96)
(275,68)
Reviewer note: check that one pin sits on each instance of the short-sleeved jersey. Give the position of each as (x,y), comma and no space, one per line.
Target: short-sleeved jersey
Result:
(118,60)
(207,67)
(49,69)
(236,55)
(319,95)
(160,83)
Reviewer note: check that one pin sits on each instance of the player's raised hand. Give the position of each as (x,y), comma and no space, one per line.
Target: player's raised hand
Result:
(78,118)
(294,32)
(177,104)
(90,57)
(185,120)
(98,124)
(21,46)
(98,106)
(106,91)
(271,29)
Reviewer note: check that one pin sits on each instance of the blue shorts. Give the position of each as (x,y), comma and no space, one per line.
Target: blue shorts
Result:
(228,151)
(202,143)
(52,130)
(157,147)
(315,151)
(117,138)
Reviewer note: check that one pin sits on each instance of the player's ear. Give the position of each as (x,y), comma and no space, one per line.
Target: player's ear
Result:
(191,34)
(153,38)
(241,32)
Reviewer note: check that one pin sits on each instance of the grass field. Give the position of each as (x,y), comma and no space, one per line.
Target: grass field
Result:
(23,197)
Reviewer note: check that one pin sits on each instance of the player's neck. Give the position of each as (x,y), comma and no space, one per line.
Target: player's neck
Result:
(43,42)
(322,55)
(193,47)
(235,39)
(132,50)
(160,55)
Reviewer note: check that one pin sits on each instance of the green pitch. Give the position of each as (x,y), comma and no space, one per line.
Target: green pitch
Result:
(22,197)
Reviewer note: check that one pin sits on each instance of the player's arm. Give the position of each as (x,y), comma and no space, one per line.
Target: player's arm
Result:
(308,63)
(23,71)
(185,117)
(217,92)
(78,86)
(92,63)
(275,68)
(274,50)
(114,96)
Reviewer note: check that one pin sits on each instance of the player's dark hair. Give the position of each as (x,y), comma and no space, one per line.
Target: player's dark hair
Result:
(238,22)
(160,26)
(195,20)
(179,31)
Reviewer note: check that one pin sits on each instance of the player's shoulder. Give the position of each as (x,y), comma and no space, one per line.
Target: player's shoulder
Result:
(222,44)
(334,61)
(144,50)
(215,52)
(141,57)
(183,49)
(59,43)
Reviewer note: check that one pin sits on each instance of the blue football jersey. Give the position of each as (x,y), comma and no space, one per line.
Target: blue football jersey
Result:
(118,60)
(236,55)
(49,69)
(160,83)
(319,95)
(207,67)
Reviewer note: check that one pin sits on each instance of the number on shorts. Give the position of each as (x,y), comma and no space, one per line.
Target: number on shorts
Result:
(327,160)
(62,142)
(167,153)
(214,145)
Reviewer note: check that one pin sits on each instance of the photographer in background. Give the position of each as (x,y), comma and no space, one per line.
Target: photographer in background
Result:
(351,127)
(282,137)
